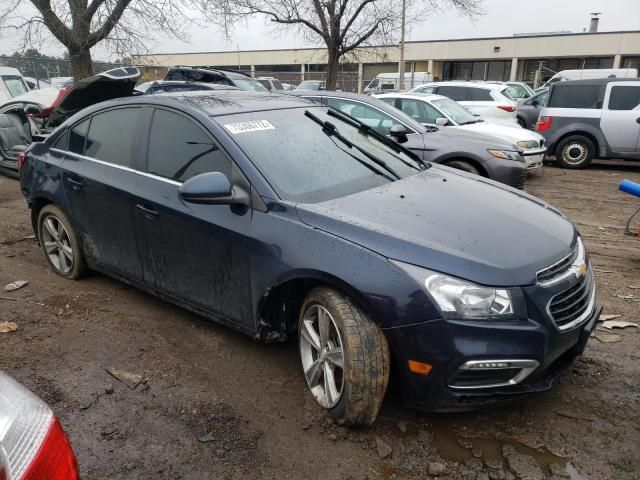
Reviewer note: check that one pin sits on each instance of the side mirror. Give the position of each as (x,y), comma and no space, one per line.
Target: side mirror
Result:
(442,122)
(398,133)
(535,102)
(213,188)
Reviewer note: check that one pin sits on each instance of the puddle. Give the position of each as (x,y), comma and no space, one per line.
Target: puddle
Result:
(457,449)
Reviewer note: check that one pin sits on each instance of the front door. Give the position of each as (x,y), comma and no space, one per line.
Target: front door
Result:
(197,253)
(620,121)
(98,179)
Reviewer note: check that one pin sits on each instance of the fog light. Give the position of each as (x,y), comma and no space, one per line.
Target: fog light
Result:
(492,373)
(419,367)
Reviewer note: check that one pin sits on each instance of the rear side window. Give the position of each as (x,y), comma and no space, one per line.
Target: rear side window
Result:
(624,97)
(480,95)
(458,94)
(111,136)
(180,149)
(77,137)
(575,96)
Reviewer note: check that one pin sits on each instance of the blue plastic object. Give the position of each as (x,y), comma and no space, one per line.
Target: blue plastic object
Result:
(630,187)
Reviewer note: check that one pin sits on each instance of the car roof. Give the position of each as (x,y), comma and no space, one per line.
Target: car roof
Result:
(594,81)
(216,103)
(465,83)
(413,95)
(208,86)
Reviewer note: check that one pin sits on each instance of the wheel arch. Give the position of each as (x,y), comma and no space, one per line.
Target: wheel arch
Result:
(465,158)
(278,307)
(37,204)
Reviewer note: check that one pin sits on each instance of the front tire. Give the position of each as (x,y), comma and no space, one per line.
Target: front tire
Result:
(345,357)
(59,243)
(464,166)
(575,152)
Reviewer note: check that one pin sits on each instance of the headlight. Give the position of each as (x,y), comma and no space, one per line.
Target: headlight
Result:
(528,144)
(507,155)
(461,299)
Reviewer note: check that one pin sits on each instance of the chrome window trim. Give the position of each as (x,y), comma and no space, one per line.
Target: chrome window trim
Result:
(119,167)
(527,368)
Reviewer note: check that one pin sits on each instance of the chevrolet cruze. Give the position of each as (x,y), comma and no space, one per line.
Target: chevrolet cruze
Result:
(285,219)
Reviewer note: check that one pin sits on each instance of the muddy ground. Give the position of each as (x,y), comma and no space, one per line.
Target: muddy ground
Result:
(214,404)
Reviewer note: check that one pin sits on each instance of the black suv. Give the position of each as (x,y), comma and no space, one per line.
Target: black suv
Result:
(208,75)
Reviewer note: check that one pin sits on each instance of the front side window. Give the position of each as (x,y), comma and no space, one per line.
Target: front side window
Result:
(539,99)
(249,84)
(575,96)
(315,167)
(365,113)
(15,85)
(180,149)
(111,136)
(374,83)
(624,97)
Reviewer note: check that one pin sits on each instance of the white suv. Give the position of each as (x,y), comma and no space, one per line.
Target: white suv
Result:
(489,101)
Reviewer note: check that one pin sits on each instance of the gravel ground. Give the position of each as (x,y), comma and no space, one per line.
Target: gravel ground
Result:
(214,404)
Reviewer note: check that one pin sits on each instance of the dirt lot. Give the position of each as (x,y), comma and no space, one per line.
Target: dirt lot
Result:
(214,404)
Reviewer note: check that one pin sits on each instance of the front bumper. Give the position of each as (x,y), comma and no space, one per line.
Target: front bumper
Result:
(449,344)
(534,158)
(509,172)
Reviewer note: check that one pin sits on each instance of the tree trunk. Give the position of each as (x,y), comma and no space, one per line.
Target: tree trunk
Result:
(81,65)
(332,69)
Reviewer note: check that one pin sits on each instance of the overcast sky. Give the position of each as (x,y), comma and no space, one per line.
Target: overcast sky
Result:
(503,18)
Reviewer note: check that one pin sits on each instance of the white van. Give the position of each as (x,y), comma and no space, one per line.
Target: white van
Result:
(590,73)
(11,84)
(390,81)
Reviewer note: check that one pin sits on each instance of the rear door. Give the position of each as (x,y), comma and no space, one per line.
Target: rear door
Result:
(99,178)
(620,121)
(197,253)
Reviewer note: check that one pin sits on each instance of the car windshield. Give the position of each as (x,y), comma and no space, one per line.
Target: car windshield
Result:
(15,85)
(305,165)
(455,111)
(310,85)
(517,92)
(248,84)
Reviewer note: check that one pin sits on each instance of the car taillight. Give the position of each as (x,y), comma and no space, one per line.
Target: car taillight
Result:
(45,112)
(507,108)
(21,159)
(32,441)
(544,123)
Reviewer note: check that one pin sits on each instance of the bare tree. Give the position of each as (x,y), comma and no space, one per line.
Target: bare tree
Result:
(342,25)
(80,25)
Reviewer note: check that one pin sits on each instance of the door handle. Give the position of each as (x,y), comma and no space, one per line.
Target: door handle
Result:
(148,212)
(76,184)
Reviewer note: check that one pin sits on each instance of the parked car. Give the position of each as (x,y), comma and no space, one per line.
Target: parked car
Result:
(528,111)
(591,73)
(391,81)
(32,441)
(34,115)
(288,87)
(280,217)
(217,75)
(458,148)
(492,102)
(169,86)
(437,110)
(311,85)
(11,83)
(516,90)
(585,119)
(36,83)
(271,83)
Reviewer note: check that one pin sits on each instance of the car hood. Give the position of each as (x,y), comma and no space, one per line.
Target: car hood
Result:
(451,222)
(512,134)
(485,140)
(115,83)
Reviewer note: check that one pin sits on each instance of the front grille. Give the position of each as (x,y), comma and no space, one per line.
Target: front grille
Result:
(542,143)
(569,307)
(557,268)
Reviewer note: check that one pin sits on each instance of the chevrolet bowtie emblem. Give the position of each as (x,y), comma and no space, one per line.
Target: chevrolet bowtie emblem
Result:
(582,270)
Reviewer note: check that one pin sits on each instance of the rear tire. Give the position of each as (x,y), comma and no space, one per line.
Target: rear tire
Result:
(351,340)
(59,243)
(463,165)
(575,152)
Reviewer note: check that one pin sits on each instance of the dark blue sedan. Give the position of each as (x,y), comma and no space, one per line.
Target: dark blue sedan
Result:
(279,218)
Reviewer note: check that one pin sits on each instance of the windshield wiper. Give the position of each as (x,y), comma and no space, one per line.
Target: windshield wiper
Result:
(366,129)
(331,130)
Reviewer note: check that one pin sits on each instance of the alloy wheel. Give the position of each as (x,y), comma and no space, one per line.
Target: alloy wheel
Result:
(322,355)
(575,153)
(57,244)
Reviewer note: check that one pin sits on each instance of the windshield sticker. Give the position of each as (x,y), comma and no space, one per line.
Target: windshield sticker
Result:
(252,126)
